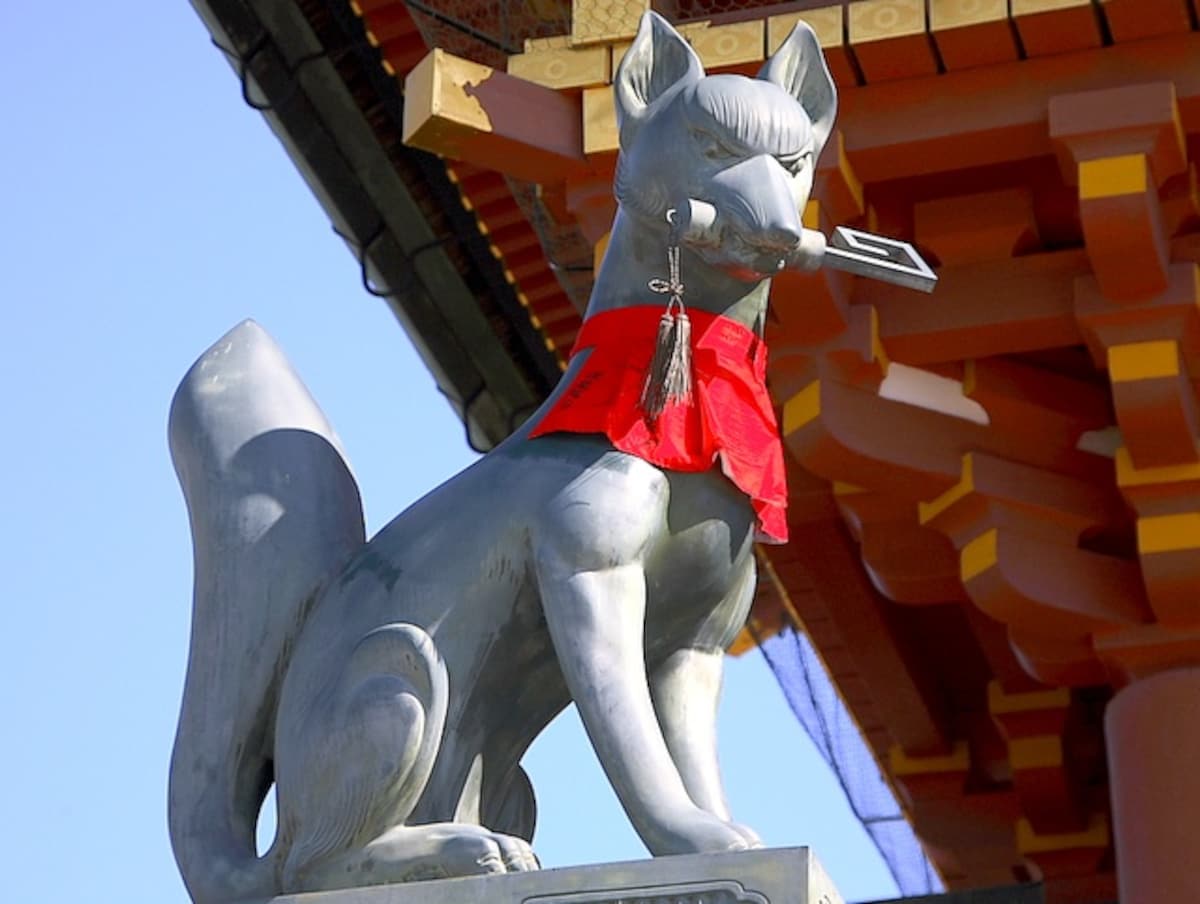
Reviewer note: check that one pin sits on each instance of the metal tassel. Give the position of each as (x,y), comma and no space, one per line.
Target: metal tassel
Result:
(669,378)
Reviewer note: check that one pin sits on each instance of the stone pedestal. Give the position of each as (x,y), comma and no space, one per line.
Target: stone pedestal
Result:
(780,876)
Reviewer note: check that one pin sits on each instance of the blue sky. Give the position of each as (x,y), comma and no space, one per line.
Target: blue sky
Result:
(146,211)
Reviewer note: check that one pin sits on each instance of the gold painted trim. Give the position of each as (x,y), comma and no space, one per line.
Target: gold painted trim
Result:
(1030,842)
(901,764)
(1143,361)
(927,511)
(802,408)
(1129,476)
(1039,752)
(1168,533)
(979,555)
(1001,703)
(1110,177)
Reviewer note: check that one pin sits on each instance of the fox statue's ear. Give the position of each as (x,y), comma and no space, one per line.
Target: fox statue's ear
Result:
(658,60)
(798,67)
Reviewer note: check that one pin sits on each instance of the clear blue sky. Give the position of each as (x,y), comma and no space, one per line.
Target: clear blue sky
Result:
(147,210)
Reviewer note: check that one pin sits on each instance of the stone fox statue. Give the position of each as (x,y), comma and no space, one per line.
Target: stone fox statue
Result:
(389,688)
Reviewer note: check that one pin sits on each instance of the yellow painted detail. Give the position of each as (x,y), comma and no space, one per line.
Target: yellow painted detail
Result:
(900,763)
(812,215)
(599,251)
(743,643)
(1129,476)
(946,14)
(726,45)
(457,100)
(927,511)
(802,408)
(754,632)
(978,556)
(438,93)
(878,352)
(1143,361)
(826,22)
(599,121)
(355,8)
(1000,703)
(970,378)
(878,20)
(846,489)
(1168,533)
(1110,177)
(1032,7)
(418,95)
(853,183)
(1030,842)
(389,68)
(563,67)
(599,21)
(551,42)
(1179,134)
(1040,752)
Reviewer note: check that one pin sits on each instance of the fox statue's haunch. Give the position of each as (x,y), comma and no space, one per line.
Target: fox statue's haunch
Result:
(390,688)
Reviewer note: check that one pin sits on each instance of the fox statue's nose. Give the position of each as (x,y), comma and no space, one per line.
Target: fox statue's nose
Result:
(757,192)
(780,238)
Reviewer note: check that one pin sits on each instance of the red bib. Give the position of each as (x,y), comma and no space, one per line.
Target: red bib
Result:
(729,419)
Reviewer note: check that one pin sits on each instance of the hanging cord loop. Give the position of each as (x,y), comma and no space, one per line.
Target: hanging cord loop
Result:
(669,379)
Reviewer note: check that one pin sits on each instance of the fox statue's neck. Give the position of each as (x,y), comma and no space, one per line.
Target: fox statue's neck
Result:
(637,253)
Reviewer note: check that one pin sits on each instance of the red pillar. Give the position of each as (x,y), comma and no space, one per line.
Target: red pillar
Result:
(1153,731)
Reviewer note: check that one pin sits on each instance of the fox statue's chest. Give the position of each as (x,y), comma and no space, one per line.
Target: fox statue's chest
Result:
(725,417)
(709,536)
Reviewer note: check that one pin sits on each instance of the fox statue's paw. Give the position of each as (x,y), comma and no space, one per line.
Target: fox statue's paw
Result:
(466,850)
(444,850)
(415,853)
(751,836)
(697,831)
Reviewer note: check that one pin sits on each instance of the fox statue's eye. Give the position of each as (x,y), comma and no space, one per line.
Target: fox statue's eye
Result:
(796,163)
(712,148)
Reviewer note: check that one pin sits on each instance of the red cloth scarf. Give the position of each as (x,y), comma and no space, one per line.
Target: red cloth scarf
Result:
(730,418)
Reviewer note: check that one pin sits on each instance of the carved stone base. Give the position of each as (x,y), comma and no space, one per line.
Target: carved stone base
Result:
(779,876)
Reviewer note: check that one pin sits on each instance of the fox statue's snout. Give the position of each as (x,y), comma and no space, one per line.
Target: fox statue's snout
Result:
(746,219)
(725,163)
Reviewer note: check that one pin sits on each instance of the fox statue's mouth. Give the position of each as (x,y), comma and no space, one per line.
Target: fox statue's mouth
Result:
(744,253)
(742,257)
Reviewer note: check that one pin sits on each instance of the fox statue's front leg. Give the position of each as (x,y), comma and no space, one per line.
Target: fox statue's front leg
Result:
(590,554)
(686,687)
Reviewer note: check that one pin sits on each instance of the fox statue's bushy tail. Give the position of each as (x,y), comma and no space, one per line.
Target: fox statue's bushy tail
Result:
(274,513)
